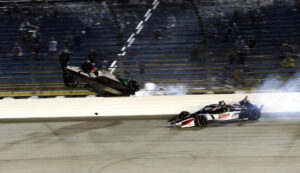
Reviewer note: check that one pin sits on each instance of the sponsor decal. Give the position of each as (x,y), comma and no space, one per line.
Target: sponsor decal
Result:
(224,115)
(187,121)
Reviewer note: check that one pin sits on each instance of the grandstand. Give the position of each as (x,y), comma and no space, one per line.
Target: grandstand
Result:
(168,58)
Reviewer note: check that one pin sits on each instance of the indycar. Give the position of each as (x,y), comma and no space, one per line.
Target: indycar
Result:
(220,112)
(99,81)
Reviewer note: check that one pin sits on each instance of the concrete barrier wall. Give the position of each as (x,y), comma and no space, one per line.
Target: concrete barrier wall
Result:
(133,106)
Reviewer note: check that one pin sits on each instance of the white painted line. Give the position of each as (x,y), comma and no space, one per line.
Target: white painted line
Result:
(113,63)
(139,25)
(154,2)
(147,13)
(155,6)
(131,36)
(140,29)
(123,48)
(113,69)
(148,17)
(129,45)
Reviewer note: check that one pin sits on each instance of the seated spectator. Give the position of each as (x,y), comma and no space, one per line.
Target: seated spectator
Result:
(226,76)
(102,59)
(64,58)
(205,53)
(251,43)
(92,56)
(240,43)
(52,47)
(35,36)
(36,22)
(55,13)
(288,62)
(238,77)
(256,17)
(241,54)
(227,32)
(68,39)
(88,22)
(212,31)
(16,10)
(133,18)
(105,65)
(122,26)
(242,50)
(195,52)
(294,47)
(231,57)
(126,18)
(16,51)
(171,22)
(47,13)
(285,50)
(29,32)
(36,50)
(24,25)
(168,33)
(157,34)
(78,40)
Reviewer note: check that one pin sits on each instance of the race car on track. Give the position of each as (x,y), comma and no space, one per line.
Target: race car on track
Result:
(101,82)
(217,112)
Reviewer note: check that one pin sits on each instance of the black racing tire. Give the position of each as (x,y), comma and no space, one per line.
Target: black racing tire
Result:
(69,79)
(243,115)
(134,85)
(87,66)
(200,121)
(254,114)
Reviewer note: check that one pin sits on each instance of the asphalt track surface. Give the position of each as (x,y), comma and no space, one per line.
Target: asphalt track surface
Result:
(269,145)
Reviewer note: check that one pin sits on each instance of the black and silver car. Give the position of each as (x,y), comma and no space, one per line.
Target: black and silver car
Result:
(217,112)
(100,81)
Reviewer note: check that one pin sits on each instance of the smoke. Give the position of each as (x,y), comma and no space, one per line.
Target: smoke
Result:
(152,89)
(280,96)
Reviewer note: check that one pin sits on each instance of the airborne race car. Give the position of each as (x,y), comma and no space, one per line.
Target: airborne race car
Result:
(101,82)
(217,112)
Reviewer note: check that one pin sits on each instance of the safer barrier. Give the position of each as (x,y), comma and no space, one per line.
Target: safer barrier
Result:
(137,106)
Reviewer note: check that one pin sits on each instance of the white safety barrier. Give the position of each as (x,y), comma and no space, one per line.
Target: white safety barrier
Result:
(137,106)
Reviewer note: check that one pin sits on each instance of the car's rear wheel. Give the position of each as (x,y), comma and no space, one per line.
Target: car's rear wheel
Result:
(254,114)
(200,121)
(133,85)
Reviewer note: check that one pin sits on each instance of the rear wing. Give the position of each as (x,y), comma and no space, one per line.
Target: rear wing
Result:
(260,108)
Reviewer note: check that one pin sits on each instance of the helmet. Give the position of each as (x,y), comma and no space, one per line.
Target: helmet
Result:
(222,103)
(184,115)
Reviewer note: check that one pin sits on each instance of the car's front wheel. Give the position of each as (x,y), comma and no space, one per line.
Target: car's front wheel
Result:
(254,114)
(200,121)
(134,85)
